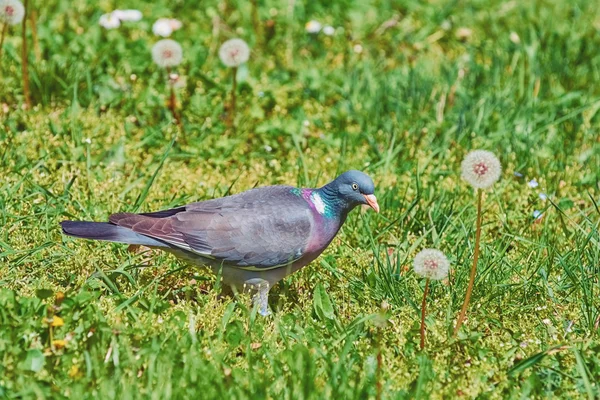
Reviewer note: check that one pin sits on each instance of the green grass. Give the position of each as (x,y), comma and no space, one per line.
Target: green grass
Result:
(405,110)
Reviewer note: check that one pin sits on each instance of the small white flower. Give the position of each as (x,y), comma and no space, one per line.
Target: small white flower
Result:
(329,30)
(128,15)
(313,26)
(162,27)
(481,169)
(464,33)
(167,53)
(514,37)
(537,214)
(166,26)
(543,196)
(11,11)
(175,24)
(533,183)
(88,140)
(357,48)
(432,264)
(109,21)
(176,81)
(234,52)
(547,321)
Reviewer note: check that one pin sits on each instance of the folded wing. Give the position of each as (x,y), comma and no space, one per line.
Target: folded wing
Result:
(261,228)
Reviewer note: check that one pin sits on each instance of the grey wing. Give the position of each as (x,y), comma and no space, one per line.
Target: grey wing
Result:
(259,229)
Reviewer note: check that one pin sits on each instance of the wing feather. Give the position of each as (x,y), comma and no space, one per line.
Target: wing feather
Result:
(261,228)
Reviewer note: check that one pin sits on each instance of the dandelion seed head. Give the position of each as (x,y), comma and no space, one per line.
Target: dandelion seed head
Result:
(109,21)
(432,264)
(234,52)
(481,169)
(167,53)
(11,11)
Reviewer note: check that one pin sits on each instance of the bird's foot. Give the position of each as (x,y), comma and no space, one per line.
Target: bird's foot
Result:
(261,298)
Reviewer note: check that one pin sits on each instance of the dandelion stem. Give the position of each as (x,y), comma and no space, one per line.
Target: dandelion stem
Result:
(423,305)
(172,104)
(24,61)
(463,312)
(233,95)
(256,20)
(2,36)
(379,366)
(289,51)
(34,36)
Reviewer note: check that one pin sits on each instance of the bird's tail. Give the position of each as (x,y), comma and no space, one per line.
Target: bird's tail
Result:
(108,232)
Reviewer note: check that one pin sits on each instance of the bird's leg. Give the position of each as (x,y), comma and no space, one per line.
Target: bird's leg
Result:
(261,297)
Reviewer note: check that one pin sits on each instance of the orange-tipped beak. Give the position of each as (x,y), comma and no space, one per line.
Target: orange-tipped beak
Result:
(372,201)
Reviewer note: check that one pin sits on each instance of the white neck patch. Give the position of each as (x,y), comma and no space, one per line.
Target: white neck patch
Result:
(318,202)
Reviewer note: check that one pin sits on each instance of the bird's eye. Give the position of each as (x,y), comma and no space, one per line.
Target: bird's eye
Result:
(354,186)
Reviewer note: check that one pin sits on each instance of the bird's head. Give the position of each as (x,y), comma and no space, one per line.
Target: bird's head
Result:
(354,188)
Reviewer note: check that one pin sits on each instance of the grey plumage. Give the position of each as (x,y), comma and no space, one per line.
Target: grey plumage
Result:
(254,238)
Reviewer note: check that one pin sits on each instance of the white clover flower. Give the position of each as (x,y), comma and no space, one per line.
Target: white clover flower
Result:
(127,15)
(481,169)
(109,21)
(11,11)
(234,52)
(313,26)
(432,264)
(167,53)
(329,30)
(166,26)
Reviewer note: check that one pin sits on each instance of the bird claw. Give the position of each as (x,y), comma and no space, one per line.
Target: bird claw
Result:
(261,298)
(264,312)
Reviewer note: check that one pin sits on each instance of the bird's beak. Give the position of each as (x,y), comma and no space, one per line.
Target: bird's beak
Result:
(372,201)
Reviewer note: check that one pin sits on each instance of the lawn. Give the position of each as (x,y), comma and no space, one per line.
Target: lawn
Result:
(401,90)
